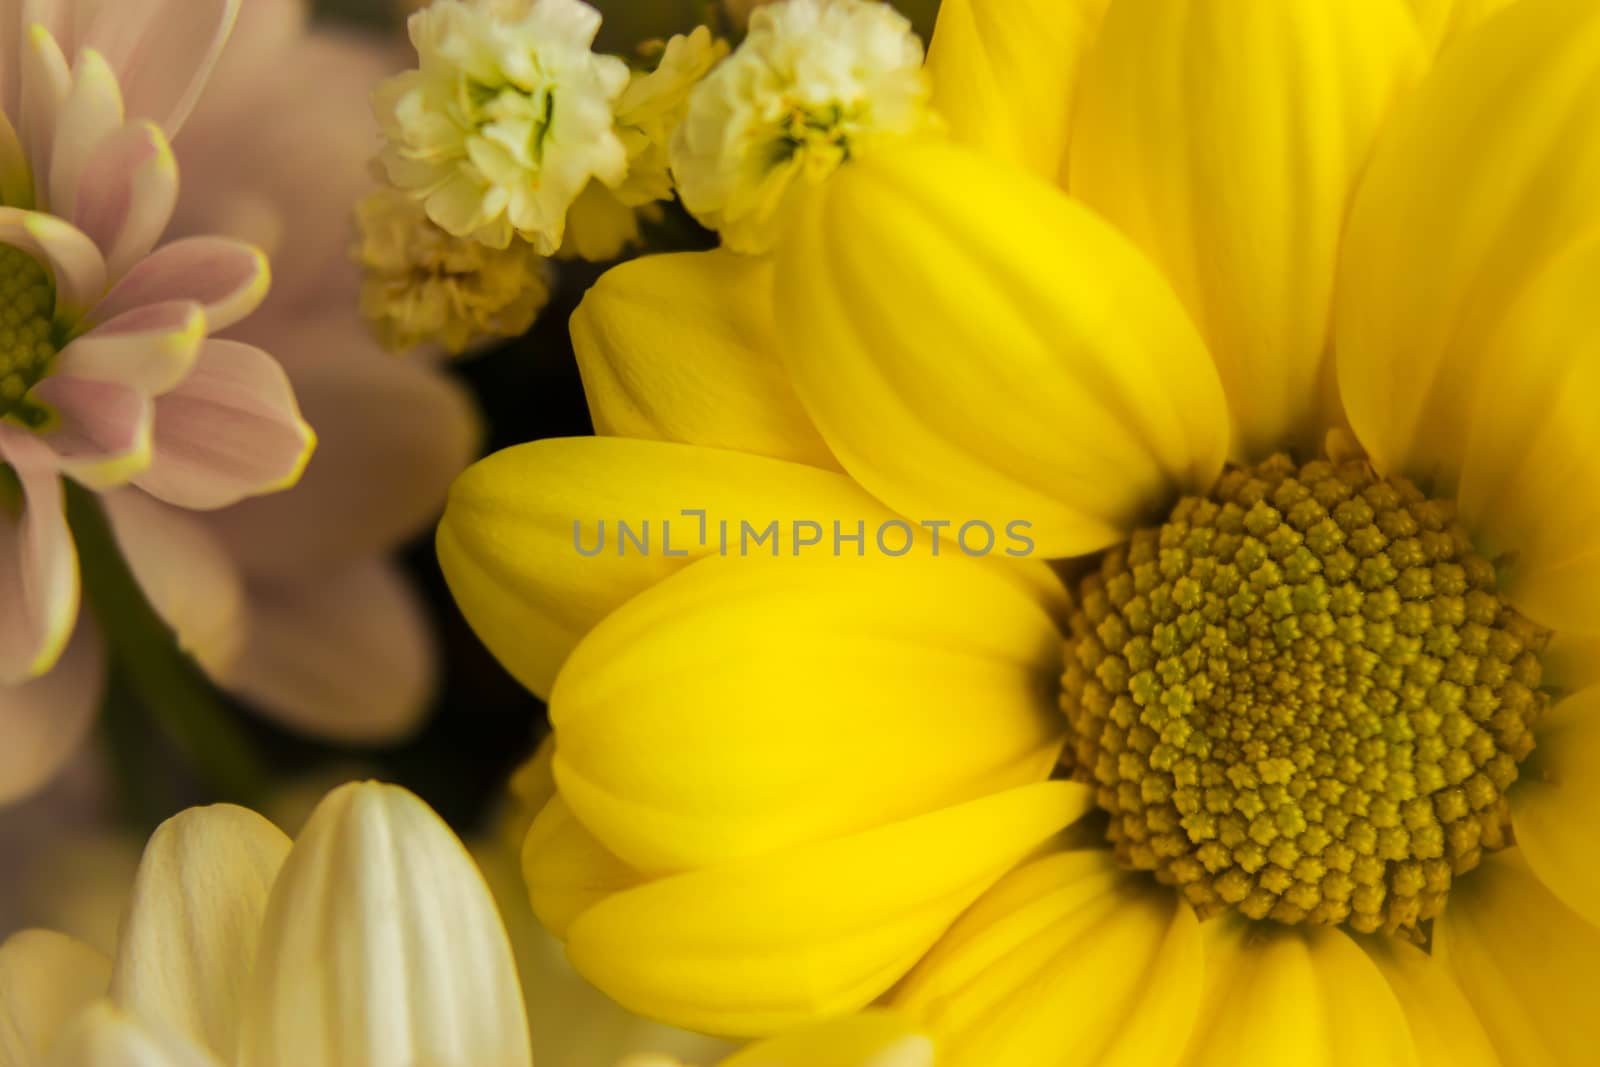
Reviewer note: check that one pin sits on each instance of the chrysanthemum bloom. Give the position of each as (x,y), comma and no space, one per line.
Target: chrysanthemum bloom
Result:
(506,119)
(109,375)
(1325,745)
(813,84)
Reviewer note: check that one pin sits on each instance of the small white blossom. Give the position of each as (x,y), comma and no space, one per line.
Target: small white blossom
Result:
(815,83)
(506,120)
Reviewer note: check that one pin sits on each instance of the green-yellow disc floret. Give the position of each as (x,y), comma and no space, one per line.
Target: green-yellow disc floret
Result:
(1302,698)
(27,337)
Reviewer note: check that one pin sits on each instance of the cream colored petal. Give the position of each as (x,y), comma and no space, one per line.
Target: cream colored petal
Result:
(1444,1026)
(105,1036)
(1525,961)
(46,978)
(745,706)
(1006,73)
(190,933)
(1302,994)
(974,345)
(510,550)
(869,1039)
(763,945)
(1530,467)
(683,348)
(1484,178)
(381,946)
(1555,804)
(1226,141)
(1070,936)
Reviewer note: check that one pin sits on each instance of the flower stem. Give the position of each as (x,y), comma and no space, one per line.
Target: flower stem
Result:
(145,652)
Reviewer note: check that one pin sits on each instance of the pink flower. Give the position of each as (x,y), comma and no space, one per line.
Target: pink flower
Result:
(110,373)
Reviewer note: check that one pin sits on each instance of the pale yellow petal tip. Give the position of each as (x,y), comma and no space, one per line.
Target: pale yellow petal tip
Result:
(307,451)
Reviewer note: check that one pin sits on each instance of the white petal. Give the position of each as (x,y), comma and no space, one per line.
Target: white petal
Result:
(189,937)
(103,1036)
(382,947)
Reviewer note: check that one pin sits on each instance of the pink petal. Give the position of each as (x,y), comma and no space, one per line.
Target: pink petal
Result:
(228,278)
(151,348)
(91,112)
(46,79)
(377,480)
(44,721)
(231,430)
(346,657)
(188,575)
(102,437)
(38,562)
(125,198)
(162,51)
(252,139)
(71,257)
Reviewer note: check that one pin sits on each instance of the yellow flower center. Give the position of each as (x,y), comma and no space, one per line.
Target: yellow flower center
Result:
(1303,698)
(27,336)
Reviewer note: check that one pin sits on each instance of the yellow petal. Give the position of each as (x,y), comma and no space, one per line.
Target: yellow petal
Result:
(817,930)
(45,979)
(511,553)
(1067,937)
(1226,140)
(976,346)
(1484,177)
(869,1039)
(1005,74)
(566,870)
(1443,1024)
(683,348)
(381,946)
(1555,804)
(1441,21)
(1530,472)
(744,706)
(1571,662)
(1525,961)
(1305,995)
(189,940)
(104,1035)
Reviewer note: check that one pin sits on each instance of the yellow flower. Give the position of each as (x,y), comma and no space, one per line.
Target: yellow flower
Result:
(814,83)
(422,286)
(1331,716)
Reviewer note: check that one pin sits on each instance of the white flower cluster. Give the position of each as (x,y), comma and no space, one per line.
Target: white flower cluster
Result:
(815,83)
(506,120)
